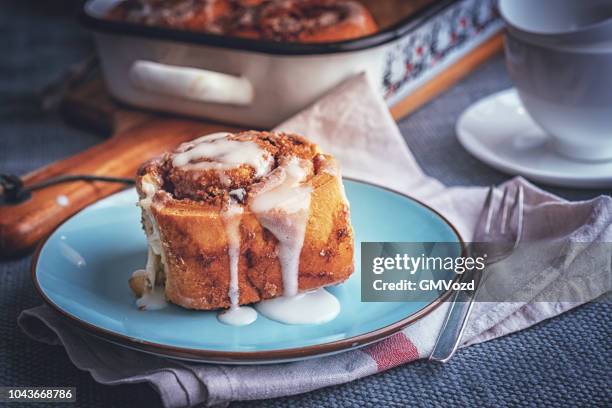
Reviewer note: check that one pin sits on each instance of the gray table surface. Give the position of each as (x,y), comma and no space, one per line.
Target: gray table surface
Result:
(562,362)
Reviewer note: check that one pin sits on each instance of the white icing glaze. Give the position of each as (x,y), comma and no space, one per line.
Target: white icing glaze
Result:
(149,189)
(151,267)
(231,218)
(282,206)
(145,203)
(284,189)
(154,299)
(238,316)
(217,152)
(316,307)
(206,138)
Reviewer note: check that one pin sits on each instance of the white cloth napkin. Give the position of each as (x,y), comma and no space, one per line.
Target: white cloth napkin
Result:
(353,123)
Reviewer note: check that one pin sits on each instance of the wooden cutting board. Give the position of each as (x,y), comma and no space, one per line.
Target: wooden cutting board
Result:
(136,136)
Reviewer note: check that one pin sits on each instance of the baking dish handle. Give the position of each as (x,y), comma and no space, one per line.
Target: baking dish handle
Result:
(191,83)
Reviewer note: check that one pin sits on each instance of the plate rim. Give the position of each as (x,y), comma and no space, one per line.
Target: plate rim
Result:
(246,357)
(472,145)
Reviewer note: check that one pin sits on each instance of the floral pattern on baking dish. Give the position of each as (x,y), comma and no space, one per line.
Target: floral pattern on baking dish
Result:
(436,44)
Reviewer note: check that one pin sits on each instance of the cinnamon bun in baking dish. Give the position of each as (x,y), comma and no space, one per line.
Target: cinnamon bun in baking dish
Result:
(194,15)
(307,21)
(233,219)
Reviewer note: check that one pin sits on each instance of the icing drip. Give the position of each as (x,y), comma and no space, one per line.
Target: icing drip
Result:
(153,297)
(151,268)
(153,239)
(282,206)
(316,307)
(237,315)
(232,217)
(217,152)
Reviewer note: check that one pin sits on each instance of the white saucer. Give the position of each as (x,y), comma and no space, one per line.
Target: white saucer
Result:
(498,131)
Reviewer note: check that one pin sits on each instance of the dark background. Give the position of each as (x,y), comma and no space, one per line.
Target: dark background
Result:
(562,362)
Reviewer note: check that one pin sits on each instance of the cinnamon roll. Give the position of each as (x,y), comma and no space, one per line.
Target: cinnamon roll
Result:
(233,219)
(196,15)
(307,21)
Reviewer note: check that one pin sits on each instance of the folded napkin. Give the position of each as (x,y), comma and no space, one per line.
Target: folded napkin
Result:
(353,123)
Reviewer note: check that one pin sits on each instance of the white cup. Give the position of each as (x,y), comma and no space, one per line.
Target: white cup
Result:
(566,87)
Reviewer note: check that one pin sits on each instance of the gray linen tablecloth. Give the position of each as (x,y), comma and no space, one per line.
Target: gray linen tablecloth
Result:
(562,362)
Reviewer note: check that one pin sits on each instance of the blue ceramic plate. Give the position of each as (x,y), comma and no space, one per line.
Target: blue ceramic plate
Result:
(83,268)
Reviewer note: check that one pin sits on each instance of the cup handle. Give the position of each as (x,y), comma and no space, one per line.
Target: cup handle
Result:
(193,84)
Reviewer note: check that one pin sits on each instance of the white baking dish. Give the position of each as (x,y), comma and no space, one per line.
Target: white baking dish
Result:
(258,83)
